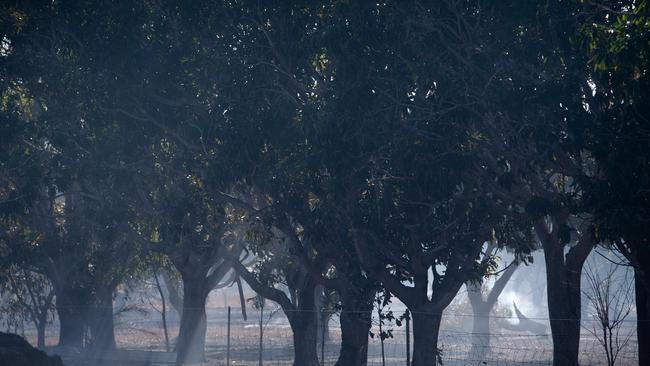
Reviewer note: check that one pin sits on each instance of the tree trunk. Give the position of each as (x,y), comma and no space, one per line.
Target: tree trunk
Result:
(101,325)
(563,275)
(40,333)
(480,331)
(563,309)
(175,299)
(356,320)
(190,346)
(642,293)
(303,320)
(426,326)
(323,317)
(71,307)
(566,340)
(304,327)
(163,311)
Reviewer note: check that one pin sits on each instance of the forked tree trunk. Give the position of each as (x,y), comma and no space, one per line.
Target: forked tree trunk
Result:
(482,307)
(356,320)
(71,307)
(564,310)
(190,346)
(563,274)
(426,327)
(300,310)
(642,293)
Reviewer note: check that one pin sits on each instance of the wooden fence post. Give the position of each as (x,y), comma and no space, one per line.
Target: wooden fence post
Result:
(408,337)
(228,340)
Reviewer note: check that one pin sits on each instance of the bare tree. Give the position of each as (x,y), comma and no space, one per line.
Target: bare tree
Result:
(609,294)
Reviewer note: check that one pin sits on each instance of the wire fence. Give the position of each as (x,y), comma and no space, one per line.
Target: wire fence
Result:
(459,346)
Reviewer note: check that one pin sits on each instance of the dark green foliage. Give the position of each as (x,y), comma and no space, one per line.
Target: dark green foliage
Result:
(358,142)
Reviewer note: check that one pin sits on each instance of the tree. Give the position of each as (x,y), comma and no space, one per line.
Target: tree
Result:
(401,155)
(31,297)
(189,232)
(616,42)
(368,155)
(535,149)
(483,300)
(275,270)
(79,165)
(388,147)
(609,297)
(82,132)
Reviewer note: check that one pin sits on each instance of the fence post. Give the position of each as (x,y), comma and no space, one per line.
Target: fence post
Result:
(408,337)
(381,338)
(228,340)
(322,337)
(261,334)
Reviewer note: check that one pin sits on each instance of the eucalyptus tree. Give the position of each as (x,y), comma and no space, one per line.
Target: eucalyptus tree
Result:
(535,150)
(398,139)
(153,113)
(387,143)
(277,276)
(75,238)
(101,124)
(187,83)
(616,40)
(70,190)
(571,127)
(483,300)
(179,221)
(296,85)
(29,297)
(221,129)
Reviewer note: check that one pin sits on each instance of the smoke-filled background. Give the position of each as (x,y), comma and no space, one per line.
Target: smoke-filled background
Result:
(324,182)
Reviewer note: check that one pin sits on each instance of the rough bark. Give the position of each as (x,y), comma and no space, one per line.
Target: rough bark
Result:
(40,334)
(101,323)
(304,320)
(563,273)
(426,326)
(564,312)
(565,319)
(356,320)
(71,306)
(190,346)
(426,311)
(304,327)
(642,293)
(300,311)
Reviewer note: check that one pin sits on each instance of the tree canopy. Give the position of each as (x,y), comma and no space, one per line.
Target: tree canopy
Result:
(361,146)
